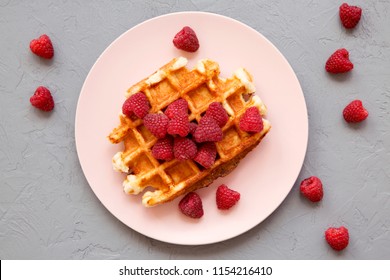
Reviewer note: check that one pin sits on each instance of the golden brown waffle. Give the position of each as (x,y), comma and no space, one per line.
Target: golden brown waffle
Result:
(200,87)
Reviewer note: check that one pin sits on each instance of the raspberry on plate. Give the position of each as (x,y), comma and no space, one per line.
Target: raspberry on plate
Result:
(184,148)
(251,120)
(311,188)
(206,154)
(218,113)
(42,99)
(191,205)
(42,47)
(226,198)
(208,130)
(355,112)
(349,15)
(337,238)
(157,124)
(138,104)
(339,62)
(163,149)
(186,40)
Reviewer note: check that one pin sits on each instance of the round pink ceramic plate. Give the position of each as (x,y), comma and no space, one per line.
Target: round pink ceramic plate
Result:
(264,177)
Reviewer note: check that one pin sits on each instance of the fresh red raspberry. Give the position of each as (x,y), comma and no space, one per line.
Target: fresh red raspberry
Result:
(184,148)
(163,149)
(337,238)
(138,104)
(177,107)
(355,112)
(186,40)
(42,99)
(191,205)
(311,188)
(208,130)
(157,124)
(339,62)
(42,47)
(206,154)
(226,198)
(126,108)
(349,15)
(179,125)
(193,127)
(251,120)
(218,113)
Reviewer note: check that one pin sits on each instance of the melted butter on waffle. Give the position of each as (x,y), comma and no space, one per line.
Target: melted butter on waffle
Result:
(200,86)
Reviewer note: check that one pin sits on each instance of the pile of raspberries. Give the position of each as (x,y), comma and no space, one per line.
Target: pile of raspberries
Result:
(181,139)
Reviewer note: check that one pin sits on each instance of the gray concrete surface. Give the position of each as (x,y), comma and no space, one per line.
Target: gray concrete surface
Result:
(47,209)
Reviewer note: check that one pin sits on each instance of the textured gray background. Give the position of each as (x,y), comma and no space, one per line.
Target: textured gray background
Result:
(47,209)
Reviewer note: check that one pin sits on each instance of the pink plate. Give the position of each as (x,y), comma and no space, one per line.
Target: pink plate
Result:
(264,177)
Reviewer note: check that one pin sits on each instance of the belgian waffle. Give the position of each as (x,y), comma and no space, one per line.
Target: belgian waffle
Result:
(200,86)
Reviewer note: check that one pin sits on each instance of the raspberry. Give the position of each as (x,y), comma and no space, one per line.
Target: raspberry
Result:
(193,127)
(337,238)
(184,148)
(226,198)
(339,62)
(208,130)
(42,47)
(138,104)
(355,112)
(311,188)
(178,107)
(191,205)
(126,108)
(42,99)
(218,113)
(251,120)
(179,125)
(163,149)
(186,40)
(349,15)
(157,124)
(206,154)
